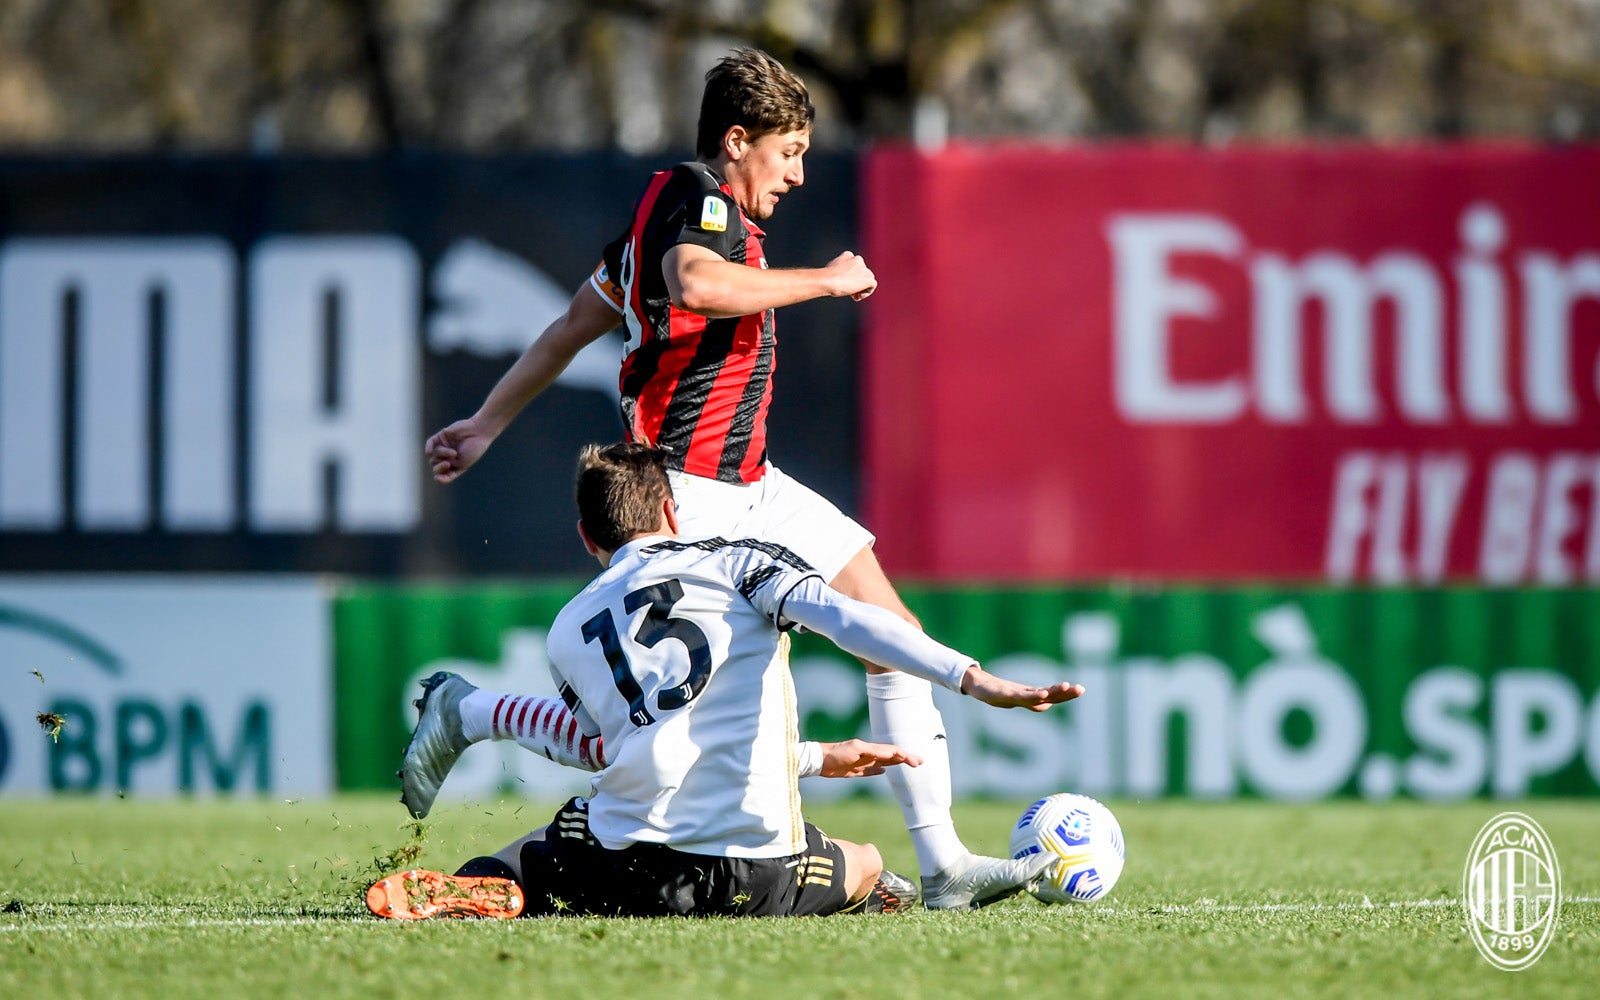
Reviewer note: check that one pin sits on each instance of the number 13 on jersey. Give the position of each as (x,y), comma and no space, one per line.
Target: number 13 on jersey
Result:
(657,626)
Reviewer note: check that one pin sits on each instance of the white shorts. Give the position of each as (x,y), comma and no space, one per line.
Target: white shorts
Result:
(775,508)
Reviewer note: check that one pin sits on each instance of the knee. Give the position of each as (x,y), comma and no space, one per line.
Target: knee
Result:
(869,862)
(862,866)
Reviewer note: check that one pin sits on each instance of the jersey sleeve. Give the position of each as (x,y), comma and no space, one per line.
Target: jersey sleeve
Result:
(603,281)
(765,574)
(871,633)
(705,217)
(607,276)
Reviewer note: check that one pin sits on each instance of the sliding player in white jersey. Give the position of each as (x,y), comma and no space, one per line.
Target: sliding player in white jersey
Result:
(673,656)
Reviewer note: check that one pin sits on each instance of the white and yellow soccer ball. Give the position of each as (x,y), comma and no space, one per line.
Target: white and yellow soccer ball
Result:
(1085,836)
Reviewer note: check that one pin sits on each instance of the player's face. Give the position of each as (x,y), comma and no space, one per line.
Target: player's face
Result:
(769,167)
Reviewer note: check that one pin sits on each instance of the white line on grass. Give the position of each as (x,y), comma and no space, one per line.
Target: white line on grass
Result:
(178,922)
(1365,904)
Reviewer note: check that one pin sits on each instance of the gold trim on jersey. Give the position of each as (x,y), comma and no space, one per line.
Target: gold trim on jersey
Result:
(797,823)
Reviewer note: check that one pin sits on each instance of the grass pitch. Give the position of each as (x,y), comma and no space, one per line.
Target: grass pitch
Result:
(116,898)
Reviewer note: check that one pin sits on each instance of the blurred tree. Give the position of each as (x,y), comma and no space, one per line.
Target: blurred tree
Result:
(362,75)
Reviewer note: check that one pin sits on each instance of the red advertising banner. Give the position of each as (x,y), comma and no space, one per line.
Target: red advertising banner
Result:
(1346,364)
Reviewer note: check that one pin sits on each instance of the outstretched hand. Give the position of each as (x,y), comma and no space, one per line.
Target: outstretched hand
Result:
(860,759)
(453,450)
(1001,693)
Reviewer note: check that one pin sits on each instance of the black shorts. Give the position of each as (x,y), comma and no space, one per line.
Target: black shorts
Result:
(570,873)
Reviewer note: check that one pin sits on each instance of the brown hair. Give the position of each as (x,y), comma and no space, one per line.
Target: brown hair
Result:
(620,490)
(750,88)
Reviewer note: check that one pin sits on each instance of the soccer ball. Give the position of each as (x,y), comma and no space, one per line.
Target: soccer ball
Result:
(1084,834)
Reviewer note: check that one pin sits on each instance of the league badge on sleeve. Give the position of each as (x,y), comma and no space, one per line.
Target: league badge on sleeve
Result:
(601,280)
(714,215)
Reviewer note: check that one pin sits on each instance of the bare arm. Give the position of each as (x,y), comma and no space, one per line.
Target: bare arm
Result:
(454,449)
(702,282)
(860,759)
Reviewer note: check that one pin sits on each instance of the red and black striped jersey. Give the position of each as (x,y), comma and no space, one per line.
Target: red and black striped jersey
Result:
(697,388)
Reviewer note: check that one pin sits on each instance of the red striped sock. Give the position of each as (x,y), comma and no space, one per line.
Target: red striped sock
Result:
(544,725)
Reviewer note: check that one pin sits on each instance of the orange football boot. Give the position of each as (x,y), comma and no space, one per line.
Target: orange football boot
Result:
(420,894)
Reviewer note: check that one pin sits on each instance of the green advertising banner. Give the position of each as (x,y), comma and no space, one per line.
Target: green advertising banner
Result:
(1282,693)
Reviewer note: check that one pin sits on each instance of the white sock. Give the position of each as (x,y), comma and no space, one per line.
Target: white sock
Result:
(901,711)
(543,725)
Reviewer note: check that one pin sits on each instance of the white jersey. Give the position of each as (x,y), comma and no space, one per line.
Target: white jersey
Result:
(672,654)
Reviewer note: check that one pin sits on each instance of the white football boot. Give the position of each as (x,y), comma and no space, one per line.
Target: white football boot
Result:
(977,881)
(436,743)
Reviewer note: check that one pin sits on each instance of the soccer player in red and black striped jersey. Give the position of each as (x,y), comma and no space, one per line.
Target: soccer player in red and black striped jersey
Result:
(689,281)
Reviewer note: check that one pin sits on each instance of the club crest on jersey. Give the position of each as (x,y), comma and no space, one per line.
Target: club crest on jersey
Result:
(714,215)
